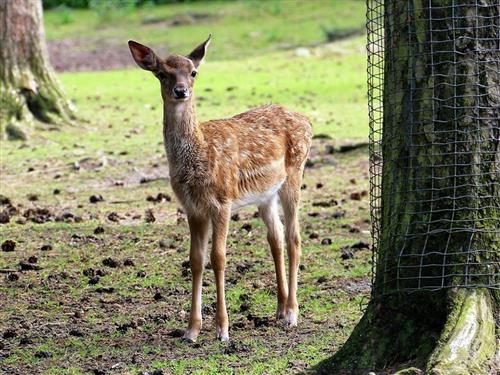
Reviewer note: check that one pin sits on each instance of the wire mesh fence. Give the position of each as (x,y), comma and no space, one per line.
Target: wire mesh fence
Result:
(434,113)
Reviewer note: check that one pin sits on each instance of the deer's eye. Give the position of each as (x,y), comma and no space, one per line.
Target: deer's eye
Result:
(161,75)
(194,73)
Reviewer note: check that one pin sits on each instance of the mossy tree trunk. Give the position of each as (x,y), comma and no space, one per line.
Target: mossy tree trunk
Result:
(440,196)
(29,90)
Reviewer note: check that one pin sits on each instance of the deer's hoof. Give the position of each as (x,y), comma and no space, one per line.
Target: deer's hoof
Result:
(222,334)
(280,313)
(189,337)
(291,319)
(224,338)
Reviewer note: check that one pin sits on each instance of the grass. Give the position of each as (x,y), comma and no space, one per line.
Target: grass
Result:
(240,28)
(66,319)
(60,300)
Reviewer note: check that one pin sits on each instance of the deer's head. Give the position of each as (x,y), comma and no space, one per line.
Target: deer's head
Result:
(176,73)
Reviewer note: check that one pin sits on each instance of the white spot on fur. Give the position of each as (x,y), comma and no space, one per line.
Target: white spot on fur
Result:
(257,198)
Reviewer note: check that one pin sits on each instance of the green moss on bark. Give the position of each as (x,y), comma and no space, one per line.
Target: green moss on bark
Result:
(29,90)
(441,152)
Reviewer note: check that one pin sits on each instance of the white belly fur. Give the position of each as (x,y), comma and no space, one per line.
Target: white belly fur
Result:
(258,199)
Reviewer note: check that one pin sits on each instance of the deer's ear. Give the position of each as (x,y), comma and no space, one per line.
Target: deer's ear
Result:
(143,56)
(197,55)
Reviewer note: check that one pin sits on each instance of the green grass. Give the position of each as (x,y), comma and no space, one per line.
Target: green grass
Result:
(240,28)
(123,108)
(329,309)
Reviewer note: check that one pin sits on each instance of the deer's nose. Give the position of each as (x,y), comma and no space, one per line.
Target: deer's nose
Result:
(180,92)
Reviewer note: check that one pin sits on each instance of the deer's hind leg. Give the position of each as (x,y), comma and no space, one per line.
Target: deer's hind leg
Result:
(290,196)
(269,214)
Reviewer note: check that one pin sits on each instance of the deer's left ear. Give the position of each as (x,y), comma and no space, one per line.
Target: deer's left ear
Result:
(197,55)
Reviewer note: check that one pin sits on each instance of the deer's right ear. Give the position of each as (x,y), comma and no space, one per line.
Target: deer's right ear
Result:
(143,56)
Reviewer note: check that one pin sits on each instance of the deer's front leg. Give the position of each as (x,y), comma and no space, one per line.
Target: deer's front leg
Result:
(199,238)
(220,223)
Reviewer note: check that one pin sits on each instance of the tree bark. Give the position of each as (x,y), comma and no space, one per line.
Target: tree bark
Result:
(29,90)
(440,196)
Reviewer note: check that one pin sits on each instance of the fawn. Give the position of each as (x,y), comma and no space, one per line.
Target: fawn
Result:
(219,166)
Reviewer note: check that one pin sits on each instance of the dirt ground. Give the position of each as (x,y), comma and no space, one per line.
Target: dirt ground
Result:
(95,276)
(74,55)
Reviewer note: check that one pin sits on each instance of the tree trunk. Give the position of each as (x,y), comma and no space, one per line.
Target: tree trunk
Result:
(29,89)
(435,307)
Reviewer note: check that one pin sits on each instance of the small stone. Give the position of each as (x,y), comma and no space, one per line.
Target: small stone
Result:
(9,334)
(4,201)
(346,254)
(128,262)
(338,214)
(32,197)
(114,217)
(247,227)
(110,262)
(302,52)
(360,245)
(321,279)
(99,230)
(356,196)
(96,198)
(43,354)
(28,266)
(105,289)
(76,333)
(354,229)
(89,272)
(141,274)
(326,241)
(4,217)
(160,197)
(21,220)
(25,341)
(8,245)
(165,244)
(149,217)
(157,296)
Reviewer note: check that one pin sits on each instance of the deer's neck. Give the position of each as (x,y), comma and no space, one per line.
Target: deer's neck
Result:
(179,120)
(182,137)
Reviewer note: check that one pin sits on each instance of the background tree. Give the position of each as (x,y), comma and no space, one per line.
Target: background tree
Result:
(29,89)
(440,195)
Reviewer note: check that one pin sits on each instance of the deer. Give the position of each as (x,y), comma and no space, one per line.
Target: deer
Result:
(216,167)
